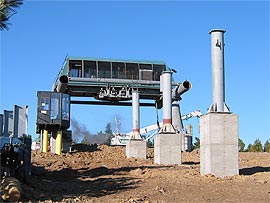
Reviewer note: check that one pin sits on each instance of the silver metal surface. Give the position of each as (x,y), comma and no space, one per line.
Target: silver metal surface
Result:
(218,80)
(135,115)
(167,102)
(181,89)
(176,116)
(20,125)
(62,84)
(8,123)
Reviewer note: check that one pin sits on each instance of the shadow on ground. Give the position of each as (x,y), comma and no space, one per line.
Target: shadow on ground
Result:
(191,162)
(253,170)
(84,148)
(69,183)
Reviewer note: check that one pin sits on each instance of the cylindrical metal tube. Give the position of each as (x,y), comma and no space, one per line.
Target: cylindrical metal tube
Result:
(218,82)
(167,97)
(181,89)
(58,142)
(45,140)
(135,115)
(62,83)
(176,116)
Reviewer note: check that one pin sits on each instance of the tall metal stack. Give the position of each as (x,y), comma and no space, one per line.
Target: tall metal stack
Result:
(219,127)
(218,76)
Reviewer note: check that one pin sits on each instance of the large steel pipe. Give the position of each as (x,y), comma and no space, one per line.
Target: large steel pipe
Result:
(181,89)
(218,81)
(135,115)
(167,97)
(167,101)
(176,116)
(62,83)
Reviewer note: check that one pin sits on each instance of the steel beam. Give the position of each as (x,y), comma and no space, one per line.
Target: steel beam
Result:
(111,103)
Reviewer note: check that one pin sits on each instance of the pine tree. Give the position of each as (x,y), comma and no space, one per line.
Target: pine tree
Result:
(241,145)
(256,147)
(267,146)
(7,9)
(196,144)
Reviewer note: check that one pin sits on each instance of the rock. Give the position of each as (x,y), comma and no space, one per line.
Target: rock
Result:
(10,189)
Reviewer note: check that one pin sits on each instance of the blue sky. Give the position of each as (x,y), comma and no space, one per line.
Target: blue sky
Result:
(44,32)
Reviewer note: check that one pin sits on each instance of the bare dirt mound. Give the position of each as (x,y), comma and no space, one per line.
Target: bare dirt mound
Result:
(103,174)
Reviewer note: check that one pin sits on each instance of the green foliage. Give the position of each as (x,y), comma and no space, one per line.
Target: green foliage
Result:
(100,133)
(241,145)
(249,148)
(7,9)
(267,146)
(196,144)
(256,147)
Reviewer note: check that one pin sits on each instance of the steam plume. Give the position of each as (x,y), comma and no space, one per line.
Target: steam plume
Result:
(81,133)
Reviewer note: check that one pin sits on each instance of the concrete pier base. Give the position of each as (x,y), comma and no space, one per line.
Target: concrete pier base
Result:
(167,148)
(66,142)
(219,144)
(53,145)
(136,148)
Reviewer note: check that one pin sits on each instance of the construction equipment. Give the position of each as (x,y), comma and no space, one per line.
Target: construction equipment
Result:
(15,151)
(122,138)
(15,144)
(192,114)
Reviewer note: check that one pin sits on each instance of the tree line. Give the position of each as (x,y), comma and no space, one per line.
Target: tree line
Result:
(257,146)
(105,138)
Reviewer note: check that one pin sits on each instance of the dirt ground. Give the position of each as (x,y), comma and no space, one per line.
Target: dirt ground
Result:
(103,174)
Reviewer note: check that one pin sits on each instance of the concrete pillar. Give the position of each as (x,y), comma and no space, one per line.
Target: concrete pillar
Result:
(45,139)
(177,122)
(167,148)
(136,148)
(58,147)
(167,144)
(66,141)
(219,144)
(53,143)
(188,138)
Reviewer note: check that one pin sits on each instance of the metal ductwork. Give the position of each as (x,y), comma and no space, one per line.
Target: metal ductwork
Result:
(181,89)
(61,84)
